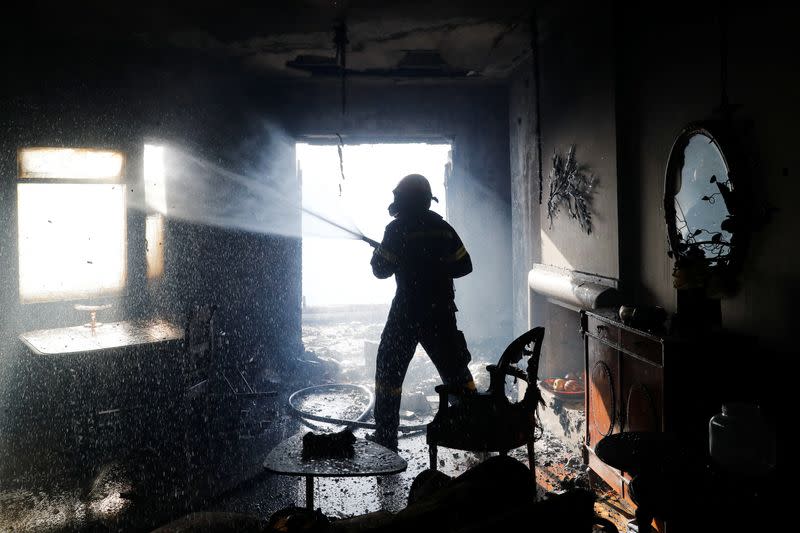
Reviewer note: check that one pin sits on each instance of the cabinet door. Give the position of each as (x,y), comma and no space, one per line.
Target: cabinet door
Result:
(602,398)
(642,388)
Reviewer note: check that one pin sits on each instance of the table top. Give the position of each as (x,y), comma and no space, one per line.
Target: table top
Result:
(80,339)
(637,451)
(369,459)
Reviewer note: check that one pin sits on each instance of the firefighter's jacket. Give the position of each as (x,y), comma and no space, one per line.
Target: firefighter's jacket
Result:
(424,253)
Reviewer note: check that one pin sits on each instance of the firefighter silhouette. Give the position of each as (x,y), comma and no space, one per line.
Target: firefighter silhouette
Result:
(425,254)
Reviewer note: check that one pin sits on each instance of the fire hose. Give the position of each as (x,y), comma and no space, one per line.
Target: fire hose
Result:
(358,422)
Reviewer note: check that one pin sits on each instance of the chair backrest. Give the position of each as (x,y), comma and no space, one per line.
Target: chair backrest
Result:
(199,343)
(512,355)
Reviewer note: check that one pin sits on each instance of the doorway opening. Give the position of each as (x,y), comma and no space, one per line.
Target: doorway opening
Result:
(344,305)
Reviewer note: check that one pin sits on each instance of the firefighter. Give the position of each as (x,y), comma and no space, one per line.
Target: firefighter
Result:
(424,253)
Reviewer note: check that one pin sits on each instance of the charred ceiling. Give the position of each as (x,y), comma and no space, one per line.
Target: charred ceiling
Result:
(296,38)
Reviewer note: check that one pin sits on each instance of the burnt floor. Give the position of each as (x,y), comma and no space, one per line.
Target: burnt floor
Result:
(67,509)
(344,497)
(54,501)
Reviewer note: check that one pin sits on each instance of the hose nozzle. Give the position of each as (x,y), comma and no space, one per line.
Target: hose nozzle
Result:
(369,241)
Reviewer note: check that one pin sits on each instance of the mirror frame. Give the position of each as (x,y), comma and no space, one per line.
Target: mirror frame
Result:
(722,275)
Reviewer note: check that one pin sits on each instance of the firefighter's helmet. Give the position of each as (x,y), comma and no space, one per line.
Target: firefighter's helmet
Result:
(413,193)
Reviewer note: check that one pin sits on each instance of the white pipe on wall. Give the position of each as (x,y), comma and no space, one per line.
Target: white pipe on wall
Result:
(575,290)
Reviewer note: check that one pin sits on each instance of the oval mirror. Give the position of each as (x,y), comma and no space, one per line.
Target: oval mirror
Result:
(700,206)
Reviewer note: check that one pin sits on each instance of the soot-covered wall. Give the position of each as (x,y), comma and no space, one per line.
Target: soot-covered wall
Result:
(669,75)
(121,99)
(122,102)
(576,95)
(661,74)
(623,82)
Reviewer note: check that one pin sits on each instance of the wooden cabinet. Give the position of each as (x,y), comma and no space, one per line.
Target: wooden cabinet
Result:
(625,386)
(640,381)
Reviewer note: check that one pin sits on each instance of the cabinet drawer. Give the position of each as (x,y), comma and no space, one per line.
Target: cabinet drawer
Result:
(602,330)
(643,347)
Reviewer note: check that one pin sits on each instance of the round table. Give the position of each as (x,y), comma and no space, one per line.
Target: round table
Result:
(369,459)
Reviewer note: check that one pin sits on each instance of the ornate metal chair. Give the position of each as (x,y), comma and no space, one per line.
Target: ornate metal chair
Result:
(489,421)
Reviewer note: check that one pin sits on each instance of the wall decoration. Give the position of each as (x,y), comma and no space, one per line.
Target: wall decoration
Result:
(571,185)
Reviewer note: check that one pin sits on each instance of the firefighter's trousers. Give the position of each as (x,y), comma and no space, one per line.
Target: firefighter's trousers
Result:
(436,330)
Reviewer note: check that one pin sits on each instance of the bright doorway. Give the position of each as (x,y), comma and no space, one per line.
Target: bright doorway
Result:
(336,270)
(344,305)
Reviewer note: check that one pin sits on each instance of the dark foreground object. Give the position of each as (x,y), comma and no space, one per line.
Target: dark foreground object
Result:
(496,495)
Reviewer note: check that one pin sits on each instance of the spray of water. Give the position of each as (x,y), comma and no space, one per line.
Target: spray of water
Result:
(354,233)
(185,187)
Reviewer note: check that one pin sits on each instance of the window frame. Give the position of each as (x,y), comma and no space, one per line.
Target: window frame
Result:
(155,219)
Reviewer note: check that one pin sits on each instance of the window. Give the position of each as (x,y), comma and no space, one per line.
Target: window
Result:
(71,223)
(155,192)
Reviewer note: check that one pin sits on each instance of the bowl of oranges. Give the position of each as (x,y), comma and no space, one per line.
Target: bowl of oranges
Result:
(569,387)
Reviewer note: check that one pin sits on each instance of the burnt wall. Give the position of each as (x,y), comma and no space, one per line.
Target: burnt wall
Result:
(623,85)
(575,89)
(576,93)
(120,99)
(525,207)
(669,75)
(622,82)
